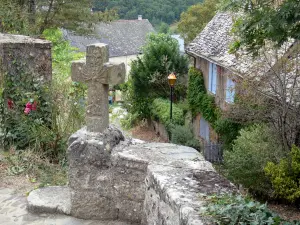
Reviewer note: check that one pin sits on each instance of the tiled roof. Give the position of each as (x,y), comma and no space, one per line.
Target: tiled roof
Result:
(213,43)
(125,37)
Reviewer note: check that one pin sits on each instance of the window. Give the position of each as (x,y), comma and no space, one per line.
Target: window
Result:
(204,129)
(212,85)
(230,90)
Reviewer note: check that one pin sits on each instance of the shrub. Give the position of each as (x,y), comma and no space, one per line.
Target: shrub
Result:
(285,176)
(231,210)
(182,135)
(251,151)
(160,111)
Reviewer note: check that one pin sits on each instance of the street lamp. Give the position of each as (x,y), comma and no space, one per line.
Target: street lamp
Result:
(172,81)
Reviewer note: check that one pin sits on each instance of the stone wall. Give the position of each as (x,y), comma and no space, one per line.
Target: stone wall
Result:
(33,55)
(141,183)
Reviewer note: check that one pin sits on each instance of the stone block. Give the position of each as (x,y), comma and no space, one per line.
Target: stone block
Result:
(128,174)
(125,160)
(50,200)
(129,190)
(78,70)
(130,210)
(92,205)
(115,73)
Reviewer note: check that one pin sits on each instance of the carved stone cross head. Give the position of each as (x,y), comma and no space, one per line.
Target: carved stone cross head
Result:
(97,73)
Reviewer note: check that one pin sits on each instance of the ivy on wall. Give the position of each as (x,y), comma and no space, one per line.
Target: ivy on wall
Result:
(201,102)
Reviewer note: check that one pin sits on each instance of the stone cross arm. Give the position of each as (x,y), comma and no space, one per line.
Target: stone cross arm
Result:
(98,74)
(113,73)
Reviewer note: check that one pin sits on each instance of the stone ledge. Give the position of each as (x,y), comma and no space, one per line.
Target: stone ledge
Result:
(50,200)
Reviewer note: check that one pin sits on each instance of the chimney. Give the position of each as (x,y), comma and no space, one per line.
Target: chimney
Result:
(140,17)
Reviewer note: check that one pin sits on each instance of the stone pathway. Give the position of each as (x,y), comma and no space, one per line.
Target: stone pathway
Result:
(13,212)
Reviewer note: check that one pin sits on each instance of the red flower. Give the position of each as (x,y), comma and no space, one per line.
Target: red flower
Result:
(10,104)
(30,107)
(34,105)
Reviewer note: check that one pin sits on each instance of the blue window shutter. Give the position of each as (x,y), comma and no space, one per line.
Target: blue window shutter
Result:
(210,77)
(214,77)
(230,90)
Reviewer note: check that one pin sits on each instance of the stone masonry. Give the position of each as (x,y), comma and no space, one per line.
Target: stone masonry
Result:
(33,54)
(134,182)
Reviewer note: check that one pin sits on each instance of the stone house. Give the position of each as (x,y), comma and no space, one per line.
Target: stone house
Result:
(124,37)
(222,70)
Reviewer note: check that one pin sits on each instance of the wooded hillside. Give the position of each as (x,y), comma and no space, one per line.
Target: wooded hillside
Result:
(156,11)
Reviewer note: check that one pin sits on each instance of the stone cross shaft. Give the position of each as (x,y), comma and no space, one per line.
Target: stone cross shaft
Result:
(97,73)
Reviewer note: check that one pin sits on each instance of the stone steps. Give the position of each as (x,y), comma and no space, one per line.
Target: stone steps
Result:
(13,209)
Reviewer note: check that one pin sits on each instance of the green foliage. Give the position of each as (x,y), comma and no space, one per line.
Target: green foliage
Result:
(285,176)
(62,53)
(250,153)
(182,135)
(33,17)
(228,131)
(193,21)
(160,111)
(156,11)
(199,100)
(179,134)
(37,167)
(264,21)
(149,73)
(231,210)
(163,28)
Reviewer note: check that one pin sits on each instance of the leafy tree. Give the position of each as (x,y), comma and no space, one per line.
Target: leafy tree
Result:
(193,21)
(33,17)
(149,73)
(265,20)
(156,11)
(163,28)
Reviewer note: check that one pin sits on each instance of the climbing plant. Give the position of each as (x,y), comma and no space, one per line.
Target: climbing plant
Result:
(202,102)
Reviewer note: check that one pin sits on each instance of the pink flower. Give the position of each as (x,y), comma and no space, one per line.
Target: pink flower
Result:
(27,111)
(30,107)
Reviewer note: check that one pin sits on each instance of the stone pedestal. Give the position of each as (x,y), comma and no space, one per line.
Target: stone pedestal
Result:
(90,175)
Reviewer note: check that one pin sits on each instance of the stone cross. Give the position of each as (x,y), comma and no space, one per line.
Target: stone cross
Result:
(97,73)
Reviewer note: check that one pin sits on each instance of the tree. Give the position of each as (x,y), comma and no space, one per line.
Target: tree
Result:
(33,17)
(193,21)
(149,73)
(156,11)
(163,28)
(272,93)
(263,21)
